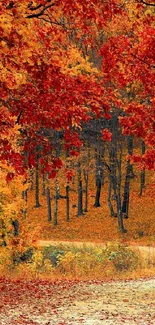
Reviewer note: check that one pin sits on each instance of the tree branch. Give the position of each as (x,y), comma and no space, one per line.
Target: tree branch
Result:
(36,15)
(147,4)
(143,61)
(18,117)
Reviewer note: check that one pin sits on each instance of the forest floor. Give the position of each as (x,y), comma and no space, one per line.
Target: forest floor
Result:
(40,302)
(96,225)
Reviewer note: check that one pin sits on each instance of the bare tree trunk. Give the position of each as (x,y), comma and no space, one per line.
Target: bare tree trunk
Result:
(55,220)
(24,197)
(126,195)
(86,190)
(129,175)
(32,179)
(44,184)
(115,167)
(67,203)
(142,174)
(98,193)
(112,213)
(15,224)
(99,175)
(37,183)
(80,191)
(49,208)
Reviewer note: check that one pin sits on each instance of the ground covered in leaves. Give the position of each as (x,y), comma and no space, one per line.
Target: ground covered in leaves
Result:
(44,302)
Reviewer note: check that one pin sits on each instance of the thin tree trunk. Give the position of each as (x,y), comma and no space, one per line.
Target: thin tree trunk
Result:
(44,184)
(67,203)
(32,179)
(55,220)
(142,174)
(15,224)
(112,213)
(49,208)
(86,190)
(24,197)
(80,191)
(126,195)
(98,179)
(37,184)
(98,194)
(115,167)
(129,175)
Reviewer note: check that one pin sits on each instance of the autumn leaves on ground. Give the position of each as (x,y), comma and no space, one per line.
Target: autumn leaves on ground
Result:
(96,225)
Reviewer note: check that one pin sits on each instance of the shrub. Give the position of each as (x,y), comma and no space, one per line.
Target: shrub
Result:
(5,259)
(18,257)
(53,253)
(123,258)
(37,260)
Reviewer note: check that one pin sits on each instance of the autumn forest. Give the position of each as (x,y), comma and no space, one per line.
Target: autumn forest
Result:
(77,140)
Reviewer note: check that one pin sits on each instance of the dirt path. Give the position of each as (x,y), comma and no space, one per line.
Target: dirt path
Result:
(75,303)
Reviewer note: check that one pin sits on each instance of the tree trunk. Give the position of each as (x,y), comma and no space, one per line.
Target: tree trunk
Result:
(49,209)
(86,190)
(44,184)
(24,197)
(142,173)
(80,191)
(37,184)
(32,179)
(126,195)
(15,224)
(55,220)
(112,213)
(129,175)
(98,193)
(99,174)
(115,156)
(67,203)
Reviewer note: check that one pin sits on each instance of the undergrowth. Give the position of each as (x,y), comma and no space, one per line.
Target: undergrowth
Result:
(115,261)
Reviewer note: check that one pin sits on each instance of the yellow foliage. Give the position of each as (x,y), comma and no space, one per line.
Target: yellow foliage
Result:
(74,63)
(37,260)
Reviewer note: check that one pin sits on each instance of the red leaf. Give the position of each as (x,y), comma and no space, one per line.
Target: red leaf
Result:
(9,177)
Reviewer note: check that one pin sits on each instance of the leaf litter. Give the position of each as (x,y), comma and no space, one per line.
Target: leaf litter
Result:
(41,302)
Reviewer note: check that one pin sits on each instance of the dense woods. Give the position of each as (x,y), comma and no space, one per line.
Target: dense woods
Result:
(77,116)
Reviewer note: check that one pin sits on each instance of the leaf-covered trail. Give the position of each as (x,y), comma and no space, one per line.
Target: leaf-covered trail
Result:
(74,303)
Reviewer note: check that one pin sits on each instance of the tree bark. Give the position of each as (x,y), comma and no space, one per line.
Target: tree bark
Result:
(80,191)
(67,203)
(128,176)
(15,224)
(49,208)
(55,220)
(99,174)
(98,193)
(86,190)
(142,173)
(112,213)
(115,169)
(37,184)
(32,179)
(44,184)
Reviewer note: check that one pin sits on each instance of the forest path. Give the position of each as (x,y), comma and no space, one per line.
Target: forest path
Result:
(74,303)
